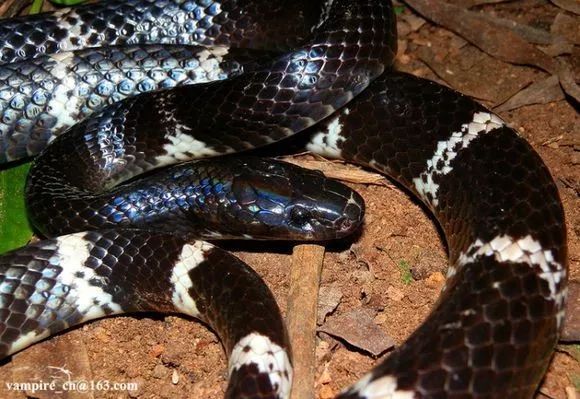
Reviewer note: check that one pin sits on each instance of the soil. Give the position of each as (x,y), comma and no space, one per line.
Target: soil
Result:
(173,357)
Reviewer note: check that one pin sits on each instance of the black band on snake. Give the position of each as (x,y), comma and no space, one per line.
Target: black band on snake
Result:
(494,328)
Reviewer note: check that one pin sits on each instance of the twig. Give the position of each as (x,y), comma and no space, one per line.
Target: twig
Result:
(552,140)
(302,307)
(337,170)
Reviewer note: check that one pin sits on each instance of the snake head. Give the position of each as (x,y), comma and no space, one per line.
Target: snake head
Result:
(278,200)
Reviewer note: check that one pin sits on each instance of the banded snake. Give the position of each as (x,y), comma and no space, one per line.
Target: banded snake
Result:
(492,331)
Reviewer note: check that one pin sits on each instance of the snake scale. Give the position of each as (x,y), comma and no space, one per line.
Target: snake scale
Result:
(286,67)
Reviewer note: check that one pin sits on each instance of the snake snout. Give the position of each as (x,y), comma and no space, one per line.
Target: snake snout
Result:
(340,209)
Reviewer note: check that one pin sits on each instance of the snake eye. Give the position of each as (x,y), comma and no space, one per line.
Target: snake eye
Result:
(300,216)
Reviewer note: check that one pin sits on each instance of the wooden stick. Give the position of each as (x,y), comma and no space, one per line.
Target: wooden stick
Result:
(337,170)
(302,307)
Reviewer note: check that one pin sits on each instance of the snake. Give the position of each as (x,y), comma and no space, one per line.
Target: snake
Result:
(321,72)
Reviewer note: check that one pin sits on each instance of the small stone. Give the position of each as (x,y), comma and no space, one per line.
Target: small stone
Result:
(135,393)
(381,319)
(435,280)
(395,294)
(326,392)
(404,59)
(322,350)
(157,350)
(362,276)
(102,335)
(174,377)
(160,371)
(172,356)
(132,372)
(323,346)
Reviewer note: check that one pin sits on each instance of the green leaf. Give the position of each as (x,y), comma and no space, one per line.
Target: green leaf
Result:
(399,10)
(36,7)
(67,2)
(15,230)
(406,276)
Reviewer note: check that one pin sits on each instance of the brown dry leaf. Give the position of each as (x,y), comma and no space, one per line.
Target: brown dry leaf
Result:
(558,48)
(571,331)
(329,298)
(568,5)
(415,22)
(358,329)
(498,41)
(530,34)
(566,27)
(475,88)
(474,3)
(541,92)
(568,81)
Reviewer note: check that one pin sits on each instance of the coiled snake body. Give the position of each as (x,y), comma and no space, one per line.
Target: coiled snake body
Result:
(491,333)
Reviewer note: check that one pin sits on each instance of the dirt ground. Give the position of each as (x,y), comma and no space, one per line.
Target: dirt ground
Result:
(173,357)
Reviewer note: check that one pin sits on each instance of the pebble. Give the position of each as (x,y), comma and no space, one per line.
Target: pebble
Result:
(381,319)
(322,350)
(326,392)
(135,393)
(435,280)
(102,335)
(160,371)
(157,350)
